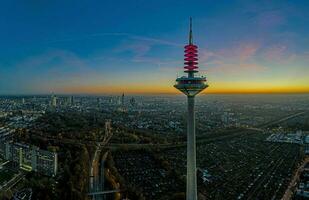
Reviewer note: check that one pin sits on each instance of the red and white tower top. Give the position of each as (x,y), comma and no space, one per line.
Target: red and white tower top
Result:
(191,85)
(191,54)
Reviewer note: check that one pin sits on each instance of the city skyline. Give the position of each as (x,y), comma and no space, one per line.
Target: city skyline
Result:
(107,100)
(76,48)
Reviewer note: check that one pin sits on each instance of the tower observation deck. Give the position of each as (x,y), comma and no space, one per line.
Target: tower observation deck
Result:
(191,85)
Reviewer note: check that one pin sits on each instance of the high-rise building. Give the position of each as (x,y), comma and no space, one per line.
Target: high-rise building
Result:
(110,100)
(122,100)
(191,85)
(98,101)
(53,101)
(118,99)
(72,100)
(30,158)
(69,101)
(132,101)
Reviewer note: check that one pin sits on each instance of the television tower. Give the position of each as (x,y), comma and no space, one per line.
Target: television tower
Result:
(191,85)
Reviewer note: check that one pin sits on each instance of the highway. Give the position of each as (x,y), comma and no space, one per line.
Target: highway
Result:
(104,192)
(95,185)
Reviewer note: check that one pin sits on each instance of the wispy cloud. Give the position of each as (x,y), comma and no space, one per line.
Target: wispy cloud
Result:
(54,68)
(151,40)
(83,37)
(156,41)
(242,51)
(57,62)
(270,18)
(275,52)
(236,69)
(140,47)
(237,59)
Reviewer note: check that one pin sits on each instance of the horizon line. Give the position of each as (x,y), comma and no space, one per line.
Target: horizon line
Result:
(154,93)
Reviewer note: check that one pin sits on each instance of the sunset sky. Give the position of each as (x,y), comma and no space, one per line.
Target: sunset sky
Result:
(100,47)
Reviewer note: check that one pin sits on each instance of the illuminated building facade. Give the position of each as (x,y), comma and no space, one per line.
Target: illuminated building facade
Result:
(30,158)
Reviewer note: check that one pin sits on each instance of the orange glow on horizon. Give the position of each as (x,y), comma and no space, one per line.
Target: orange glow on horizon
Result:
(233,88)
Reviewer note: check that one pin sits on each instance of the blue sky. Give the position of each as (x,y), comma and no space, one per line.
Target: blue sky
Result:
(137,46)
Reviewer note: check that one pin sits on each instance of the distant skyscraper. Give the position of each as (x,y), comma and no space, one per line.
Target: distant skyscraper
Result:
(110,100)
(98,101)
(132,101)
(72,100)
(118,100)
(23,100)
(191,85)
(53,100)
(122,100)
(68,101)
